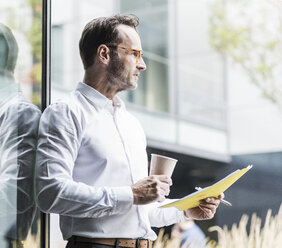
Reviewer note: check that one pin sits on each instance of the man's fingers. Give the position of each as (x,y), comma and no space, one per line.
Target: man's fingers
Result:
(165,187)
(161,198)
(209,206)
(211,200)
(164,179)
(208,210)
(161,182)
(221,196)
(152,188)
(162,187)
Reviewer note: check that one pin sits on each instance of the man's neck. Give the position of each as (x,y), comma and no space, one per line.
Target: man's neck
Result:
(100,83)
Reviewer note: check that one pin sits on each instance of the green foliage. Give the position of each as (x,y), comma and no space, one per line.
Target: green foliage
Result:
(35,38)
(36,73)
(36,99)
(34,35)
(248,32)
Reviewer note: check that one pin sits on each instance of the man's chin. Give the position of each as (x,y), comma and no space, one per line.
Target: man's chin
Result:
(132,86)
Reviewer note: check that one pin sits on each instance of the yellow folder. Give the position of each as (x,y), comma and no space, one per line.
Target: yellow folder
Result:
(192,200)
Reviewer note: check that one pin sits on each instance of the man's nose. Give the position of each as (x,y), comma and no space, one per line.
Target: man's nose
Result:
(141,64)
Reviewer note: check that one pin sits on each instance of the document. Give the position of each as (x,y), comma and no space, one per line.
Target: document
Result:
(192,200)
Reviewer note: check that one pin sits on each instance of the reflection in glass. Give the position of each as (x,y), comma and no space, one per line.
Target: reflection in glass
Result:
(18,133)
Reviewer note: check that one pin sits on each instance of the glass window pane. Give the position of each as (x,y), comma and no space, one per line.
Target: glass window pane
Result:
(57,58)
(153,29)
(20,101)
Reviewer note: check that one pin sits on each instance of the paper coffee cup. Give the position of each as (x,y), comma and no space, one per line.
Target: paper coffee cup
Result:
(162,165)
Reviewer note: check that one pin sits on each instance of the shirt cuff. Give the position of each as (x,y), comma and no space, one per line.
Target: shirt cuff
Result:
(123,199)
(185,218)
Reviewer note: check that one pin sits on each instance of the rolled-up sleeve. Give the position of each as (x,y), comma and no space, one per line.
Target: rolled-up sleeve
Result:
(59,138)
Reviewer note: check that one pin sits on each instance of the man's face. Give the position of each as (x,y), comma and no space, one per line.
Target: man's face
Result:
(123,69)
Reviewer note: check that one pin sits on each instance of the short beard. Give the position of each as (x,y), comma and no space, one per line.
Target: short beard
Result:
(115,74)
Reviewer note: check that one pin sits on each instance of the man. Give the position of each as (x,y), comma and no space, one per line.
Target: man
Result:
(92,162)
(189,234)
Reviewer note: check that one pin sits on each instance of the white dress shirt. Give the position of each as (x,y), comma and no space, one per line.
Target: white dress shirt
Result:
(90,152)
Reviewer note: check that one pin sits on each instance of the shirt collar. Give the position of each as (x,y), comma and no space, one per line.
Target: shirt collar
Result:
(98,99)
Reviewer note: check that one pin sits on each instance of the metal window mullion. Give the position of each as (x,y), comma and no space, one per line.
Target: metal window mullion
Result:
(46,53)
(45,97)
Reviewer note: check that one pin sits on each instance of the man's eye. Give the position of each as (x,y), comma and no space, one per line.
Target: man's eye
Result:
(135,54)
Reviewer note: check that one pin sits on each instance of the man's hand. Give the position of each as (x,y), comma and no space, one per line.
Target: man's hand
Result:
(206,209)
(150,189)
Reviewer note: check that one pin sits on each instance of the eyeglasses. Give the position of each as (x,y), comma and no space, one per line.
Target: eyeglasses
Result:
(137,53)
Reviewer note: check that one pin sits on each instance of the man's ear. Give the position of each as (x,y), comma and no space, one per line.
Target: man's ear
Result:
(103,54)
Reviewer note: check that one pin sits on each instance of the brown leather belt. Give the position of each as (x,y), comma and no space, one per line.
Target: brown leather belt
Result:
(130,243)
